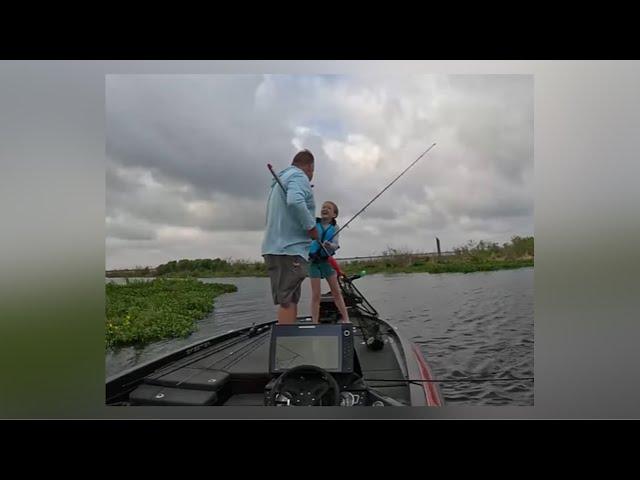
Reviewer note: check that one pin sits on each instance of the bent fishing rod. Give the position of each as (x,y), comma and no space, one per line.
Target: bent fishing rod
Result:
(363,208)
(383,190)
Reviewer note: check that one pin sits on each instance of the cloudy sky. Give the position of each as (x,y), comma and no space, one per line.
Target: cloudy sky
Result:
(186,173)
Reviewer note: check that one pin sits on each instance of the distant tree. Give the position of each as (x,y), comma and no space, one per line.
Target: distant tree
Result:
(207,264)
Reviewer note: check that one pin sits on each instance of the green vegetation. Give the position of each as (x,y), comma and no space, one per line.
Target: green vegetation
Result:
(408,263)
(471,257)
(518,248)
(212,268)
(140,312)
(201,268)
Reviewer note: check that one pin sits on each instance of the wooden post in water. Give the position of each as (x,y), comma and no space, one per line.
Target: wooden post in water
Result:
(438,245)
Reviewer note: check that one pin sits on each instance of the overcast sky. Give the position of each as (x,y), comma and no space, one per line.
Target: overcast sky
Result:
(186,173)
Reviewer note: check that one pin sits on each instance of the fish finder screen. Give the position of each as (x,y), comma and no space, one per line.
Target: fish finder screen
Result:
(320,351)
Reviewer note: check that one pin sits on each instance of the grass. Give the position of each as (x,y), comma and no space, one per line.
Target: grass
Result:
(411,264)
(141,312)
(471,257)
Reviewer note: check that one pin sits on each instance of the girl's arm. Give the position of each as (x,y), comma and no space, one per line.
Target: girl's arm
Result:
(334,243)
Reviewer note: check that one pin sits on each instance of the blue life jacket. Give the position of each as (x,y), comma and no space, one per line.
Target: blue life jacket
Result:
(316,252)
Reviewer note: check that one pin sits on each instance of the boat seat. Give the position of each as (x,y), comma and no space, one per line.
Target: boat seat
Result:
(158,395)
(190,378)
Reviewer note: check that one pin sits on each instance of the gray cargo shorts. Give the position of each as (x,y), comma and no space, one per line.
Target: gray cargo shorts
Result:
(287,273)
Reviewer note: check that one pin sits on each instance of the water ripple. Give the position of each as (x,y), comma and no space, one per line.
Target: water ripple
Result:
(467,326)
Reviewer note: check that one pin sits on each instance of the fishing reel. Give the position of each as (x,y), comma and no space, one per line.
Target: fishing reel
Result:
(315,257)
(320,254)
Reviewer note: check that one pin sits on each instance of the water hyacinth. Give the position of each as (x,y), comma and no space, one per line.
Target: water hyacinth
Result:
(141,312)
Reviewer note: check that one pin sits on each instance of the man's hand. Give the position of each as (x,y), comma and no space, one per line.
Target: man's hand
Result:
(313,233)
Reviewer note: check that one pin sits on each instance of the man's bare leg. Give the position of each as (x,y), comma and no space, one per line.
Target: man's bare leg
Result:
(287,313)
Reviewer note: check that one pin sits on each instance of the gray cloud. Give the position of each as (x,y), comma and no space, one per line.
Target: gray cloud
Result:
(129,231)
(187,155)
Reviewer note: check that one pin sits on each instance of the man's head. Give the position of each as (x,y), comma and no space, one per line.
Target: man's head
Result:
(304,161)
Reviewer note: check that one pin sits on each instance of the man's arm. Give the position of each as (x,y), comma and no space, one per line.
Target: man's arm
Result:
(297,191)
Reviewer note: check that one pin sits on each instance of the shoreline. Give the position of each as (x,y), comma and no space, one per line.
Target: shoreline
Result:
(407,265)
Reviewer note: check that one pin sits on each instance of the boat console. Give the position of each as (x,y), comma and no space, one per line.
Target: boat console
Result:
(329,346)
(315,365)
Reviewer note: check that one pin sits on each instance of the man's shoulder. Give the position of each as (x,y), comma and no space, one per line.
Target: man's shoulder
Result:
(294,171)
(298,176)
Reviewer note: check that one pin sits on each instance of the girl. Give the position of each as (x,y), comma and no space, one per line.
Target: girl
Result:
(319,262)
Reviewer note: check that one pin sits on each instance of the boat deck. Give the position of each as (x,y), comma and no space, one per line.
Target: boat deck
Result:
(236,371)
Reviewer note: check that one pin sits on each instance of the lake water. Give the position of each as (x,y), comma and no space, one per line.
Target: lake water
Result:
(475,325)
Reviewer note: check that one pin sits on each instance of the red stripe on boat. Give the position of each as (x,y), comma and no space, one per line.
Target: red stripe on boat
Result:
(430,390)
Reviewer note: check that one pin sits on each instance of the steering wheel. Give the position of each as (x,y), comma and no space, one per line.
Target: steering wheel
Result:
(305,386)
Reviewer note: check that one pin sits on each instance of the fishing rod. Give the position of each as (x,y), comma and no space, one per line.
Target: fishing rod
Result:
(453,380)
(363,208)
(383,190)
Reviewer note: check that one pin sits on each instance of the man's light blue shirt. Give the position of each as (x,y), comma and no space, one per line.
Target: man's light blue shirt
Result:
(289,217)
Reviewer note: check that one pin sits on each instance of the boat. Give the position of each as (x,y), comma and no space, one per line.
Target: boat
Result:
(379,366)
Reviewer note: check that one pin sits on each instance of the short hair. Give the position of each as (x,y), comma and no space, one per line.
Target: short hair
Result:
(304,157)
(335,207)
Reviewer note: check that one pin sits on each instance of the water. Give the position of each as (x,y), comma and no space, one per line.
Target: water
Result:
(475,325)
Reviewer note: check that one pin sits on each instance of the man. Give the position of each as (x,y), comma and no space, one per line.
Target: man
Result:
(291,225)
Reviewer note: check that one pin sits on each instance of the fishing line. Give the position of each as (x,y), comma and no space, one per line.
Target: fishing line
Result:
(451,380)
